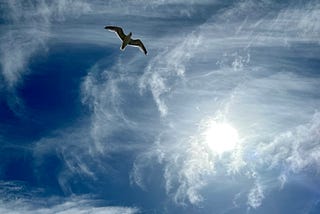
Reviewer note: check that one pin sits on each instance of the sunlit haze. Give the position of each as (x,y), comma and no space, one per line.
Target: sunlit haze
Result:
(220,137)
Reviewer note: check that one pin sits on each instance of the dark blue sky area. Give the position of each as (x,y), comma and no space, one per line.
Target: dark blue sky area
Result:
(50,93)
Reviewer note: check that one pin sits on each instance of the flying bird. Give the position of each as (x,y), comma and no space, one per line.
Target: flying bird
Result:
(126,39)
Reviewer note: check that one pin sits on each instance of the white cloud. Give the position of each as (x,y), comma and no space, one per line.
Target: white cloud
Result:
(84,147)
(195,166)
(18,46)
(264,95)
(283,180)
(190,78)
(255,196)
(298,148)
(29,32)
(186,164)
(69,207)
(102,91)
(104,100)
(152,8)
(166,67)
(248,24)
(18,199)
(75,152)
(298,23)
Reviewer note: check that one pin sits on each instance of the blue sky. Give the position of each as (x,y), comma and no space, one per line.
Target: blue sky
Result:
(222,115)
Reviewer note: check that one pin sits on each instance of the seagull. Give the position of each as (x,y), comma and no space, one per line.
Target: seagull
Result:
(126,39)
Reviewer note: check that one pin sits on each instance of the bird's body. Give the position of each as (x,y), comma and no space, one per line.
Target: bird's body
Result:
(126,39)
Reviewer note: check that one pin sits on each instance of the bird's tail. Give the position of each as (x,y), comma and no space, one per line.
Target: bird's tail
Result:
(123,46)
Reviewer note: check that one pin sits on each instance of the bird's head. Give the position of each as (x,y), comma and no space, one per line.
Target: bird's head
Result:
(130,34)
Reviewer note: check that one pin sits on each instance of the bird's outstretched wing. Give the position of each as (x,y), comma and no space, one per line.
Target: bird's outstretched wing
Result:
(118,30)
(137,42)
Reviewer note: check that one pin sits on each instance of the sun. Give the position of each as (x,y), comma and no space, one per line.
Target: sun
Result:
(220,137)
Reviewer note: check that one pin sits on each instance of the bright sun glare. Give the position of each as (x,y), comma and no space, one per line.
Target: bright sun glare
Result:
(220,137)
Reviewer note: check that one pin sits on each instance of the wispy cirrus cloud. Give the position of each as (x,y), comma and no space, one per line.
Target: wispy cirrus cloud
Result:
(255,196)
(167,66)
(236,64)
(27,32)
(74,153)
(185,165)
(104,91)
(15,198)
(298,148)
(85,148)
(236,73)
(295,151)
(75,205)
